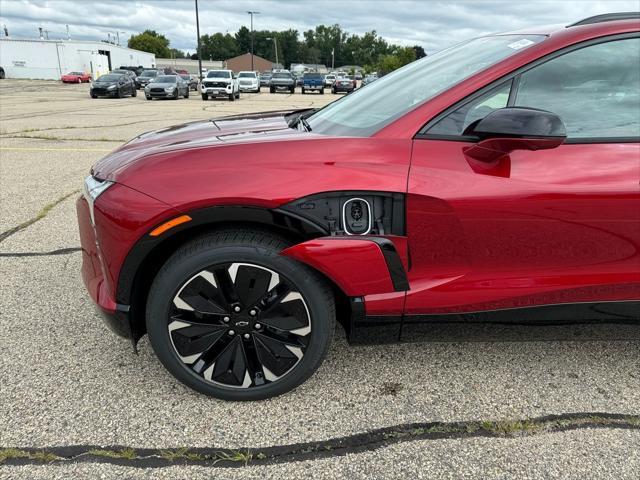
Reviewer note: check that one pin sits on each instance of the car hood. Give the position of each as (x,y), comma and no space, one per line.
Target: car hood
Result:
(161,85)
(251,128)
(98,83)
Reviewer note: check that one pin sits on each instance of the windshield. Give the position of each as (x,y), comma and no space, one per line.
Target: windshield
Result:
(165,79)
(246,75)
(219,75)
(281,75)
(109,78)
(186,77)
(367,110)
(149,73)
(75,73)
(312,76)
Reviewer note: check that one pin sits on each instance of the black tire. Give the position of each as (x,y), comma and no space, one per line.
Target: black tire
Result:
(120,93)
(232,97)
(303,91)
(134,92)
(205,96)
(322,91)
(216,255)
(272,90)
(238,94)
(148,97)
(186,95)
(292,89)
(94,96)
(176,94)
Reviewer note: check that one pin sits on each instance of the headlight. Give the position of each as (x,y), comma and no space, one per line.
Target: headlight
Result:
(112,87)
(168,89)
(93,188)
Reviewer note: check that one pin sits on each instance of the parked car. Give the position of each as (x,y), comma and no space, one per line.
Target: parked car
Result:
(282,81)
(113,85)
(146,76)
(353,80)
(313,82)
(167,86)
(521,204)
(220,83)
(368,79)
(76,77)
(137,70)
(358,76)
(298,79)
(265,78)
(122,71)
(2,74)
(343,84)
(191,80)
(248,82)
(329,79)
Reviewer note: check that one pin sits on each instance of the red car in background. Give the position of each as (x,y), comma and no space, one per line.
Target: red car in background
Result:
(502,185)
(76,77)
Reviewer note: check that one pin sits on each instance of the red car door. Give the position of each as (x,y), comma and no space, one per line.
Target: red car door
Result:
(543,227)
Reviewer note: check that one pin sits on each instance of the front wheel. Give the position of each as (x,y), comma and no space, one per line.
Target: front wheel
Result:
(134,92)
(205,96)
(186,95)
(232,97)
(231,318)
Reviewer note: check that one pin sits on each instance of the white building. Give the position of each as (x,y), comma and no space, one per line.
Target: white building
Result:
(49,59)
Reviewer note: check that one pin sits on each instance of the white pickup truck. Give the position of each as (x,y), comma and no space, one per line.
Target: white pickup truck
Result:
(220,83)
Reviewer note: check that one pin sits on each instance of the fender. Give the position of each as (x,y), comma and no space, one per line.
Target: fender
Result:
(362,265)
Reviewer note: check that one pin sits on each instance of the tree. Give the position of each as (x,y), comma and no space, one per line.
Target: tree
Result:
(152,42)
(175,53)
(420,53)
(218,46)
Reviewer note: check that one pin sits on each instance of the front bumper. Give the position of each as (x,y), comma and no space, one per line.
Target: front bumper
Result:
(249,88)
(103,92)
(282,87)
(116,316)
(343,88)
(162,94)
(313,87)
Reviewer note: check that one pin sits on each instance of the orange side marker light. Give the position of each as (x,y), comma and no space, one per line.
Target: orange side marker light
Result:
(169,225)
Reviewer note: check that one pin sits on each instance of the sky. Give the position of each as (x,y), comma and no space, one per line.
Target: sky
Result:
(430,23)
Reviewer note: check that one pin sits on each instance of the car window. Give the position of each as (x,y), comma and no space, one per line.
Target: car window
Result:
(246,75)
(219,74)
(595,90)
(457,121)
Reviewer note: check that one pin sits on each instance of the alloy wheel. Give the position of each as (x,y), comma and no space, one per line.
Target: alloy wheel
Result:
(239,325)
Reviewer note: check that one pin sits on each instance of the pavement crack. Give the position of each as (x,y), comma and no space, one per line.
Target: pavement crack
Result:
(40,215)
(356,443)
(60,251)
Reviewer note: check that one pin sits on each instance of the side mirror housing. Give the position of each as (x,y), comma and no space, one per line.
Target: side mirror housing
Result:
(508,129)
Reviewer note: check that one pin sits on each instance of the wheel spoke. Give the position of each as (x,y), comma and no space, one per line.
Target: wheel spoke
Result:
(275,357)
(251,283)
(201,294)
(289,314)
(230,366)
(192,339)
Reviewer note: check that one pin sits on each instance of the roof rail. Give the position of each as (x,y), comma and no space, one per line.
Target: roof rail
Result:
(607,17)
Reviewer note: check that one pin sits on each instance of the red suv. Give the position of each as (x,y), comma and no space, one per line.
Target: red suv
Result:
(497,179)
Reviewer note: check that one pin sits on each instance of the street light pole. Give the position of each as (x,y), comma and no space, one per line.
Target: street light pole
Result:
(252,13)
(198,33)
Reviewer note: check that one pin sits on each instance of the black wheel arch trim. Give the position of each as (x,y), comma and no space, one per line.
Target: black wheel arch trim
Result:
(207,217)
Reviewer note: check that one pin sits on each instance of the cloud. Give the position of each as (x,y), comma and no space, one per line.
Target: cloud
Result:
(432,24)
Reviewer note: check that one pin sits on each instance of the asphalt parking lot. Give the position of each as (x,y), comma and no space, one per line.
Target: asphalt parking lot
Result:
(484,402)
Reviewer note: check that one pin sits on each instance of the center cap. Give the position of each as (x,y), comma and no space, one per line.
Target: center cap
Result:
(242,323)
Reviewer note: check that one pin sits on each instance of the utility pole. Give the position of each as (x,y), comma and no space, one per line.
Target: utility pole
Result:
(198,33)
(68,34)
(252,13)
(333,58)
(275,47)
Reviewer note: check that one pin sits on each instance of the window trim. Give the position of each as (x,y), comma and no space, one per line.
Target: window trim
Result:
(515,78)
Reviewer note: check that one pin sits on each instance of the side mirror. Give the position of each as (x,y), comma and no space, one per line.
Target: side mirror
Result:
(514,128)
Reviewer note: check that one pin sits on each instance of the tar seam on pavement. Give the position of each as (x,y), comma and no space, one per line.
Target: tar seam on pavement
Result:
(357,443)
(41,214)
